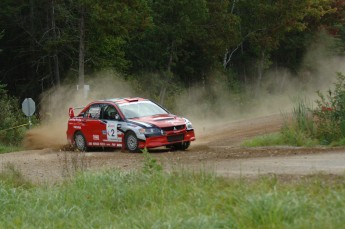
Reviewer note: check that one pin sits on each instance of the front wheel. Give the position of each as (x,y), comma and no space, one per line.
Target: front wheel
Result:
(131,141)
(180,146)
(184,145)
(80,141)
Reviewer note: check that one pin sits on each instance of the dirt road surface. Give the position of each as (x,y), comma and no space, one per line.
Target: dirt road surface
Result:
(217,151)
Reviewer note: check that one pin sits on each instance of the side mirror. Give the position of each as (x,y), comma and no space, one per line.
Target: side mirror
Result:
(71,112)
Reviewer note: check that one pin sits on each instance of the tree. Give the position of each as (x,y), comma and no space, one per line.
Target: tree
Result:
(186,40)
(267,23)
(43,39)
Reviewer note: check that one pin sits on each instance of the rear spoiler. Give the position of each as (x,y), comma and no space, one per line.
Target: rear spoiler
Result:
(71,111)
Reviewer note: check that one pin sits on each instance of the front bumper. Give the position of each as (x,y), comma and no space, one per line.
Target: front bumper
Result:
(164,140)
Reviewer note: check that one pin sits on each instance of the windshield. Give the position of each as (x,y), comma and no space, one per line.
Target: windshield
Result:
(141,109)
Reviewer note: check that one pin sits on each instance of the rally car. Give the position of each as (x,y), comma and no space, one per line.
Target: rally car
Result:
(128,123)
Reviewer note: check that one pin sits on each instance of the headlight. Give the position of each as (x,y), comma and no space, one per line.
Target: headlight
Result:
(188,124)
(151,131)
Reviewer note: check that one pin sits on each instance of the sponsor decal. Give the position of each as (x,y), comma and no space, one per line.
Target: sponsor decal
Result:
(112,132)
(96,143)
(104,132)
(77,127)
(142,124)
(95,137)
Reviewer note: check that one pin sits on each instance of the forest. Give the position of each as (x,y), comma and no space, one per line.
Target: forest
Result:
(163,47)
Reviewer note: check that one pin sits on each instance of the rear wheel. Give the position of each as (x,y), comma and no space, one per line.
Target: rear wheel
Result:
(80,141)
(131,141)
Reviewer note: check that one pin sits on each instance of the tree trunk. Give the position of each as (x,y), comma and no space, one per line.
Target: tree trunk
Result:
(165,82)
(81,49)
(56,71)
(260,73)
(32,41)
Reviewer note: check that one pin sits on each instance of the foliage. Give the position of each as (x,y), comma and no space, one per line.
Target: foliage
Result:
(265,140)
(330,113)
(10,118)
(178,43)
(298,129)
(324,124)
(113,199)
(12,177)
(150,164)
(7,149)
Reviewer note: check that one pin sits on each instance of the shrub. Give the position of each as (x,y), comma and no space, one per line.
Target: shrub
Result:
(329,115)
(10,116)
(299,129)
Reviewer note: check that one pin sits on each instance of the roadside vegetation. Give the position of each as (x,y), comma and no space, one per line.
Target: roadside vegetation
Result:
(7,149)
(308,126)
(152,198)
(11,122)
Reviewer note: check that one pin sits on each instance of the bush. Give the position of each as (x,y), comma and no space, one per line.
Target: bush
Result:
(10,116)
(329,115)
(299,129)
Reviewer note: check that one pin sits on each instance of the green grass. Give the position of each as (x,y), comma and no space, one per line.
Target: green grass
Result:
(8,149)
(154,199)
(265,140)
(285,137)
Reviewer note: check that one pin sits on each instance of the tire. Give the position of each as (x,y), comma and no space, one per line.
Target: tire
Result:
(80,142)
(180,146)
(184,145)
(131,141)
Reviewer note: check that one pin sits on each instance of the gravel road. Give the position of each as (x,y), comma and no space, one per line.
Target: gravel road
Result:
(218,151)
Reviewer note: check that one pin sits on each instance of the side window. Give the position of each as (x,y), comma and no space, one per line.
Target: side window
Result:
(110,113)
(93,112)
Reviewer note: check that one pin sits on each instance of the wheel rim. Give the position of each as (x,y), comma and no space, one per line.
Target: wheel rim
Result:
(80,142)
(132,142)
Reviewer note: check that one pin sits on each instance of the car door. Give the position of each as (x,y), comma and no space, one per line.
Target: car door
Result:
(93,126)
(113,122)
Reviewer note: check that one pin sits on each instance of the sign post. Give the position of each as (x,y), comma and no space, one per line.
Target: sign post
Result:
(29,108)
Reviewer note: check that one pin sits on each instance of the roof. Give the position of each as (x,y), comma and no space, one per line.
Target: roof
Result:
(124,100)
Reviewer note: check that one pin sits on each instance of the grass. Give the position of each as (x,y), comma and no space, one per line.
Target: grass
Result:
(298,129)
(8,148)
(286,137)
(265,140)
(155,199)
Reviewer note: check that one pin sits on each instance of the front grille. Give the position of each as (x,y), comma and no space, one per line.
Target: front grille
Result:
(175,138)
(171,128)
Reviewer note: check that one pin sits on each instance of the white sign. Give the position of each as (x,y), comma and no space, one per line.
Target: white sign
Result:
(28,107)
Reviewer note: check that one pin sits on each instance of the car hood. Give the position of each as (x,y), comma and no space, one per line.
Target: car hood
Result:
(163,120)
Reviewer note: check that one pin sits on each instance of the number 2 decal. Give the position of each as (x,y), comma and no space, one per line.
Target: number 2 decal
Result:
(112,133)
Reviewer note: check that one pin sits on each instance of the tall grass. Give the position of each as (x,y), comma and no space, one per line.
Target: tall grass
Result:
(154,199)
(298,129)
(8,148)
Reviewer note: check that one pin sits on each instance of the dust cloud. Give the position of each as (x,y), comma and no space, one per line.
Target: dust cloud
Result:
(209,107)
(54,105)
(214,107)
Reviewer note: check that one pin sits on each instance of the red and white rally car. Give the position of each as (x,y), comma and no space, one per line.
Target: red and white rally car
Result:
(129,123)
